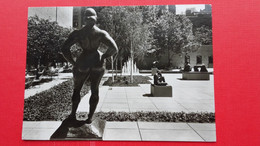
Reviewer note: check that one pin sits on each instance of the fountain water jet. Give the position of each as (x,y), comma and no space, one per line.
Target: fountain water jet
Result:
(126,70)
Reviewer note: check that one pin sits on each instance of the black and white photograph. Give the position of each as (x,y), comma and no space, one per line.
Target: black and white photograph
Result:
(120,73)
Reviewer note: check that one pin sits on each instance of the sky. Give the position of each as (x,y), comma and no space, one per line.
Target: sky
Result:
(180,9)
(64,14)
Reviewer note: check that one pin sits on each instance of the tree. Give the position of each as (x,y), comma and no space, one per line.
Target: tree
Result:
(203,35)
(125,25)
(44,41)
(173,34)
(112,20)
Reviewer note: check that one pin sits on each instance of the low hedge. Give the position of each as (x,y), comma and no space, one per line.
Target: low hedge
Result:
(200,117)
(122,81)
(52,104)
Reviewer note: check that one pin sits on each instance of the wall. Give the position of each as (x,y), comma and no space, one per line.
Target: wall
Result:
(178,60)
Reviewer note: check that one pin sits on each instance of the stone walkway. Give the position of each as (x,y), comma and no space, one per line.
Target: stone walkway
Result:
(132,131)
(188,96)
(45,86)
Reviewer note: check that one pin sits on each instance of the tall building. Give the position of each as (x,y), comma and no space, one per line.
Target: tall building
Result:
(207,10)
(172,8)
(190,11)
(168,8)
(78,17)
(62,15)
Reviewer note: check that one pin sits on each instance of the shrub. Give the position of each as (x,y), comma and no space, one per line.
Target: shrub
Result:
(52,104)
(200,117)
(122,81)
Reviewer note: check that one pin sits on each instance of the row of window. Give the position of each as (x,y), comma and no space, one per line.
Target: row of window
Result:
(199,59)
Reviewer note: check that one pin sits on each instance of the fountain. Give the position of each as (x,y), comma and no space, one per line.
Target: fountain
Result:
(126,70)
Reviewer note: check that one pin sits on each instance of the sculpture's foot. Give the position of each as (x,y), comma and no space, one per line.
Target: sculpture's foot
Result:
(80,130)
(72,118)
(89,121)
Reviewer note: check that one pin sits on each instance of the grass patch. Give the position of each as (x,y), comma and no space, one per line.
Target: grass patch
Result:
(122,81)
(52,104)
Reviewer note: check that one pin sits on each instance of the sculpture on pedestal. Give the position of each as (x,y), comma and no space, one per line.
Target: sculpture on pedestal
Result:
(159,80)
(89,65)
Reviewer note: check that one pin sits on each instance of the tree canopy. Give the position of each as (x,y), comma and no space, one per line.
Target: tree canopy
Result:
(44,41)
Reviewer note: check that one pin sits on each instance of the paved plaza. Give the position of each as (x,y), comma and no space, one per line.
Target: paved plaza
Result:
(188,96)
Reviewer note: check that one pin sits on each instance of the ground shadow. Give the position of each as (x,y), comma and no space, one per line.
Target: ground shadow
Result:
(189,80)
(62,131)
(147,95)
(79,130)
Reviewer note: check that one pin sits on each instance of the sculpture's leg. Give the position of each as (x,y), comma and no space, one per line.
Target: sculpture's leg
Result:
(79,79)
(162,79)
(95,78)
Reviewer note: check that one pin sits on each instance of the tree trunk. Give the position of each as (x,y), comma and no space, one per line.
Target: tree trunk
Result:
(116,67)
(169,61)
(131,70)
(121,67)
(112,65)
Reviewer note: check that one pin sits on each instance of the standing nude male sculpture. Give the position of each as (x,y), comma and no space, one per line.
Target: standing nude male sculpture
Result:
(88,64)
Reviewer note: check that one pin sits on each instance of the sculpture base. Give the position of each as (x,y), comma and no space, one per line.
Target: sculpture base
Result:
(79,130)
(161,91)
(195,76)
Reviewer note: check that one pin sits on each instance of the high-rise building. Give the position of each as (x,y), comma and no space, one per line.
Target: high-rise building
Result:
(169,8)
(190,11)
(62,15)
(207,10)
(172,8)
(78,17)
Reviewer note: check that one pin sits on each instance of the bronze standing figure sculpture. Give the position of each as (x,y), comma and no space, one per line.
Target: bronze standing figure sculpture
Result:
(89,64)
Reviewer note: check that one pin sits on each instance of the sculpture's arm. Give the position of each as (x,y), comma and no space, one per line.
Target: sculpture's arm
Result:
(110,43)
(66,47)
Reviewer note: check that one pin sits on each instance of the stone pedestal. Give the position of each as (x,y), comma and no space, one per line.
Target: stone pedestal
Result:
(154,71)
(161,91)
(195,76)
(79,130)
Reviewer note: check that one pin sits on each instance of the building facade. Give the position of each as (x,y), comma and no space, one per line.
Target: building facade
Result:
(203,55)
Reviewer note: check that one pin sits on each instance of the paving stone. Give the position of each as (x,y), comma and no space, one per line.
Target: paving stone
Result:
(122,134)
(143,110)
(37,134)
(116,95)
(142,105)
(203,126)
(114,105)
(115,110)
(122,125)
(163,125)
(134,96)
(116,100)
(207,135)
(170,135)
(168,104)
(172,110)
(41,124)
(139,100)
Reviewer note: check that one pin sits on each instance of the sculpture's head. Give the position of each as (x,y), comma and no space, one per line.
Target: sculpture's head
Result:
(90,16)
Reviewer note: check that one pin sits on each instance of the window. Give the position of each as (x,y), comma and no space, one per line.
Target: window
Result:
(210,59)
(199,59)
